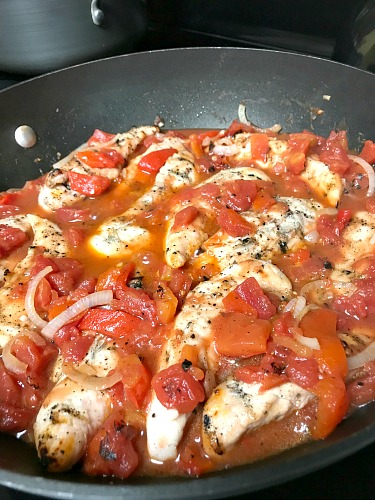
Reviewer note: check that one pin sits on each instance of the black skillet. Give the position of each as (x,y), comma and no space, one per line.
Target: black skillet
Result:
(188,88)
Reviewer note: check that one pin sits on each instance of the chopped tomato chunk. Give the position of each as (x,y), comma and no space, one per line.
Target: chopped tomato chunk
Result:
(176,388)
(88,185)
(368,152)
(105,158)
(259,146)
(100,137)
(184,217)
(10,239)
(251,292)
(114,324)
(234,224)
(152,162)
(238,335)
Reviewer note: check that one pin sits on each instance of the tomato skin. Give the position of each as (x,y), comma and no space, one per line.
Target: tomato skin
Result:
(114,324)
(136,379)
(238,335)
(100,137)
(234,303)
(10,239)
(259,146)
(111,451)
(333,403)
(252,374)
(263,201)
(368,152)
(88,185)
(69,215)
(184,217)
(176,389)
(251,292)
(303,372)
(233,224)
(334,152)
(136,302)
(152,162)
(105,158)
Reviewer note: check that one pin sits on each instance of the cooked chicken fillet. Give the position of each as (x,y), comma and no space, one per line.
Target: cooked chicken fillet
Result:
(181,243)
(277,232)
(56,192)
(71,414)
(322,181)
(193,326)
(47,236)
(122,235)
(236,407)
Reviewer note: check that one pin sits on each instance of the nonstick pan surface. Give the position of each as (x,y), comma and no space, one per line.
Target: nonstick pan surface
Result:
(187,88)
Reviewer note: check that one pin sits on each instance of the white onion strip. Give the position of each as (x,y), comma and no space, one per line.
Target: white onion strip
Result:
(311,342)
(360,359)
(243,119)
(10,361)
(92,300)
(369,171)
(91,382)
(30,298)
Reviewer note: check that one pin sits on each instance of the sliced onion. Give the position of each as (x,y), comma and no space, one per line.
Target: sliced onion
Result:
(295,305)
(67,158)
(222,150)
(91,382)
(312,287)
(312,236)
(35,337)
(92,300)
(326,211)
(305,310)
(311,342)
(30,297)
(291,343)
(10,361)
(360,359)
(243,119)
(369,171)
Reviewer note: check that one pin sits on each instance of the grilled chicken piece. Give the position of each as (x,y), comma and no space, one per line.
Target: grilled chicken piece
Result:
(46,235)
(236,407)
(193,326)
(181,243)
(71,414)
(122,235)
(56,192)
(322,181)
(277,232)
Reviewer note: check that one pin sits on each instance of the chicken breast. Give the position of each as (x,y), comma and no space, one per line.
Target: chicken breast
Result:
(325,183)
(236,407)
(277,232)
(193,326)
(181,242)
(47,236)
(122,235)
(70,414)
(56,192)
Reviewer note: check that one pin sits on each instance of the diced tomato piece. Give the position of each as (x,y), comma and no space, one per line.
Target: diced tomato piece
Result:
(251,292)
(180,284)
(115,278)
(111,451)
(234,303)
(259,146)
(152,162)
(238,195)
(69,273)
(281,325)
(166,303)
(196,146)
(115,324)
(333,402)
(233,224)
(330,227)
(136,379)
(105,158)
(14,419)
(69,215)
(334,152)
(136,302)
(74,236)
(331,357)
(263,201)
(10,239)
(295,161)
(8,211)
(368,152)
(253,374)
(236,127)
(238,335)
(319,323)
(88,185)
(302,141)
(184,217)
(193,461)
(302,371)
(177,389)
(100,137)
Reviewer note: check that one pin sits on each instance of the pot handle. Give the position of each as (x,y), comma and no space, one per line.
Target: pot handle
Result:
(96,13)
